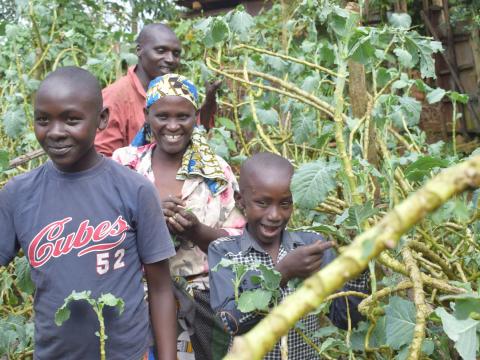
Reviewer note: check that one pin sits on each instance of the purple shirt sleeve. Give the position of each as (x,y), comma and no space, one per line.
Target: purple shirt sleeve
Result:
(153,238)
(9,245)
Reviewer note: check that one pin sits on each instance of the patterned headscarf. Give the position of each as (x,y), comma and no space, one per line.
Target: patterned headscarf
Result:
(171,85)
(199,158)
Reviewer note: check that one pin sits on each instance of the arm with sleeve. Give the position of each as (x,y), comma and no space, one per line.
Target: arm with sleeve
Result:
(222,294)
(114,135)
(9,245)
(153,238)
(339,309)
(233,221)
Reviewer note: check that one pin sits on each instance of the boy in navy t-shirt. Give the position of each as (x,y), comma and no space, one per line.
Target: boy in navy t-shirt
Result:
(87,223)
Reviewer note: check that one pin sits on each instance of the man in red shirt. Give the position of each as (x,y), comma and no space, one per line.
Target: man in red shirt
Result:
(158,51)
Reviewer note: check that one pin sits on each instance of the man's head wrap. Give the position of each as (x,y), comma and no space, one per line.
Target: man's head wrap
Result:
(171,85)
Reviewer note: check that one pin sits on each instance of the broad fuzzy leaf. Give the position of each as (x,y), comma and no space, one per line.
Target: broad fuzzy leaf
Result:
(423,166)
(404,57)
(241,22)
(312,182)
(219,30)
(14,122)
(462,332)
(271,277)
(268,117)
(400,322)
(304,128)
(435,95)
(62,315)
(113,301)
(254,300)
(400,20)
(22,272)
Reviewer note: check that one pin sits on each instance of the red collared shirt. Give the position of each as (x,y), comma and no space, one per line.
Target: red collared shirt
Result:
(125,100)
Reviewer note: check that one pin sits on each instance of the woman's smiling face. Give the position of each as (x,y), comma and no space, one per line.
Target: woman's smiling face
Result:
(172,119)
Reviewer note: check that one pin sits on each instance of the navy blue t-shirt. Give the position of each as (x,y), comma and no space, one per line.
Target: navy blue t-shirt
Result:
(90,230)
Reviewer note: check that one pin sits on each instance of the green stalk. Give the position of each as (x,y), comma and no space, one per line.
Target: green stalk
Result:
(367,246)
(338,120)
(98,310)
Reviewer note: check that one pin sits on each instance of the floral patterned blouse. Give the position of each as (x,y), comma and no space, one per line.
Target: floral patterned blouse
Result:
(215,211)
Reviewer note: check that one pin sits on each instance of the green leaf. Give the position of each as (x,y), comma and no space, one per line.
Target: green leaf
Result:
(226,122)
(219,30)
(241,22)
(404,57)
(312,182)
(62,315)
(400,20)
(465,304)
(14,122)
(254,300)
(271,277)
(268,117)
(462,332)
(457,97)
(358,214)
(22,272)
(113,301)
(304,128)
(4,160)
(422,167)
(435,95)
(400,322)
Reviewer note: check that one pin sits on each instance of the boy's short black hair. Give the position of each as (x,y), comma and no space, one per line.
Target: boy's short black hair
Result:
(78,78)
(263,161)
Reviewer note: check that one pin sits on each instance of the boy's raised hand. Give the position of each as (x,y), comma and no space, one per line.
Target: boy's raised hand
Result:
(303,261)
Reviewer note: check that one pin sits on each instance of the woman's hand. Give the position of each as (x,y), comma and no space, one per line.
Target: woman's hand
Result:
(180,222)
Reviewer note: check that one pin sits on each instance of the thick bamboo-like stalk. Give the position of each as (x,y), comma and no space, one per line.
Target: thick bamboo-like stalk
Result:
(367,246)
(415,349)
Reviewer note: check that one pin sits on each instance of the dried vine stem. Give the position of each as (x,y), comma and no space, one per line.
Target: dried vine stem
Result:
(415,349)
(300,98)
(441,285)
(431,255)
(330,110)
(364,306)
(367,246)
(288,58)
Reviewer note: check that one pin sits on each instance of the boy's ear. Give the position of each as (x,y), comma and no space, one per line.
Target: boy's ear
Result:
(104,115)
(139,49)
(239,200)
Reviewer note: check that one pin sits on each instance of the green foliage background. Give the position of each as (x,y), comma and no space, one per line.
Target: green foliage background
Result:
(287,89)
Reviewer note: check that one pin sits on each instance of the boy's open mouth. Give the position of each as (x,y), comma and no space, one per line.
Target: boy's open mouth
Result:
(270,230)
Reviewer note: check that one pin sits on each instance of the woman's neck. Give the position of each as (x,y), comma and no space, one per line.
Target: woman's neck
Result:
(167,159)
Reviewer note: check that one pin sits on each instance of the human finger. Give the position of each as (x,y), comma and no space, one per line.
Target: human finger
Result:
(174,223)
(182,221)
(320,246)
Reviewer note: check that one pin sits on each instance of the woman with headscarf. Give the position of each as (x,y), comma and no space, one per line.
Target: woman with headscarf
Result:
(195,185)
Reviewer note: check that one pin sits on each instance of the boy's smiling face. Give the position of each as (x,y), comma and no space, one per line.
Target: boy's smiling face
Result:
(67,115)
(267,200)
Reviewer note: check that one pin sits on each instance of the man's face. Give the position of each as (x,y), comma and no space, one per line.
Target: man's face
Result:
(65,122)
(268,204)
(159,53)
(172,119)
